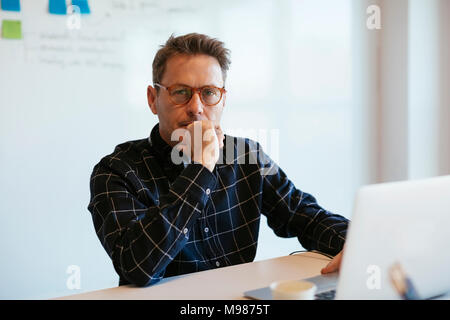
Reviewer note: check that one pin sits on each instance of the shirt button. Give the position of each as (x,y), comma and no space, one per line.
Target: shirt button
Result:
(185,230)
(217,263)
(208,191)
(206,229)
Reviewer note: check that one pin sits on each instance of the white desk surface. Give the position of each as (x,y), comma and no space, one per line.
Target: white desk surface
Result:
(227,283)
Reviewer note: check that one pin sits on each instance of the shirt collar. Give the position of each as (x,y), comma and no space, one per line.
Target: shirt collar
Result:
(157,142)
(161,147)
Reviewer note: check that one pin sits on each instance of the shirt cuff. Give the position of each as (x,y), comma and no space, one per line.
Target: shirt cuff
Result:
(196,182)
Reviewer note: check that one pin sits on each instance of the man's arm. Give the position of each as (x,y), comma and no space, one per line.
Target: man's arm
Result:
(291,212)
(334,264)
(140,239)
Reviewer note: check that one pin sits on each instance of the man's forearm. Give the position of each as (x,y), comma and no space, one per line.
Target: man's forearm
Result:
(143,240)
(326,232)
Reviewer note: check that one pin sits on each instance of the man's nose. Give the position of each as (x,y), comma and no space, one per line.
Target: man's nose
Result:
(195,105)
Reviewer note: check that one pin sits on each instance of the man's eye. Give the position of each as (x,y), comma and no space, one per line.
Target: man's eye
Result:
(180,92)
(208,92)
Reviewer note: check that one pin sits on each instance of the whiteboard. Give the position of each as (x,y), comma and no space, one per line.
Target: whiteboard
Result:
(69,96)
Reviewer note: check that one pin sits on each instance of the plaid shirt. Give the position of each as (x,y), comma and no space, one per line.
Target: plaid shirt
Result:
(157,219)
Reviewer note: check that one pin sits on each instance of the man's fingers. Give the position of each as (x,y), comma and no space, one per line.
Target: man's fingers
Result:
(220,136)
(333,265)
(330,267)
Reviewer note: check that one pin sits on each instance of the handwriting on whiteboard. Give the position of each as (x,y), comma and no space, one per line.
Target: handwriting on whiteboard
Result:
(66,49)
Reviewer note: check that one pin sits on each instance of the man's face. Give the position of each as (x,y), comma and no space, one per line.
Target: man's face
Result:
(195,71)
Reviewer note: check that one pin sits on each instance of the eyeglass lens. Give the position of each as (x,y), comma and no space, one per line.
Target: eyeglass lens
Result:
(182,94)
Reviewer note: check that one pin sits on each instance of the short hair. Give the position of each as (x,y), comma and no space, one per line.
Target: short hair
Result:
(190,44)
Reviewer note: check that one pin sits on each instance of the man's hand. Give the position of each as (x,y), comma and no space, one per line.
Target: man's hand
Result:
(205,141)
(334,264)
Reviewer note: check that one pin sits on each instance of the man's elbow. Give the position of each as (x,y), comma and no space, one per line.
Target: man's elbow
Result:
(141,279)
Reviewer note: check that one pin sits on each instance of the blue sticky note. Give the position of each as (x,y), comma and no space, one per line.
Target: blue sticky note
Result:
(57,7)
(83,5)
(11,5)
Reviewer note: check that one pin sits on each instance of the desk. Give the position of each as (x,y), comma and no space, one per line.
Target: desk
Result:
(225,283)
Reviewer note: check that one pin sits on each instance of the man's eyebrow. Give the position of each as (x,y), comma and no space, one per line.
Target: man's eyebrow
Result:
(186,85)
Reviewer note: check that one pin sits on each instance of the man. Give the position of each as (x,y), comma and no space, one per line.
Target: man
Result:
(157,216)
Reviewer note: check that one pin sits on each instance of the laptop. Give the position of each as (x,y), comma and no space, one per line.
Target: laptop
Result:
(405,222)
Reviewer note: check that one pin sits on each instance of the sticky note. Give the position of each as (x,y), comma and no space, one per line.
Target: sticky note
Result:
(11,5)
(83,5)
(57,7)
(11,29)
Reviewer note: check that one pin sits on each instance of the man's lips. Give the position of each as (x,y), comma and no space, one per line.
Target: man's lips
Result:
(185,124)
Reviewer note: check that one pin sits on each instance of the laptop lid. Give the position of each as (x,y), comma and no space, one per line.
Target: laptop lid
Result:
(406,222)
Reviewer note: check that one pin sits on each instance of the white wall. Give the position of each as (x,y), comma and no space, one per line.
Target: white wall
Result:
(401,90)
(365,95)
(444,119)
(424,90)
(393,86)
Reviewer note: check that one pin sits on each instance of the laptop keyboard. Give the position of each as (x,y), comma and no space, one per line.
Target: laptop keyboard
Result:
(326,295)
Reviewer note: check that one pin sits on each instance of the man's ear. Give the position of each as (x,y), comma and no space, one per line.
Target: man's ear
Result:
(151,98)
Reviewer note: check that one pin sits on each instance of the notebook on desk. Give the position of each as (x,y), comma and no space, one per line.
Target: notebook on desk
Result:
(400,222)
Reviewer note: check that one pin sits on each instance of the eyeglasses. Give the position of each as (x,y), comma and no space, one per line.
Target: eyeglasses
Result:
(181,94)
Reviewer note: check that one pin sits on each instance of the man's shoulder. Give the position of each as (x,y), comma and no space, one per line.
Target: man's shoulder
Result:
(132,146)
(126,153)
(241,141)
(243,151)
(248,153)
